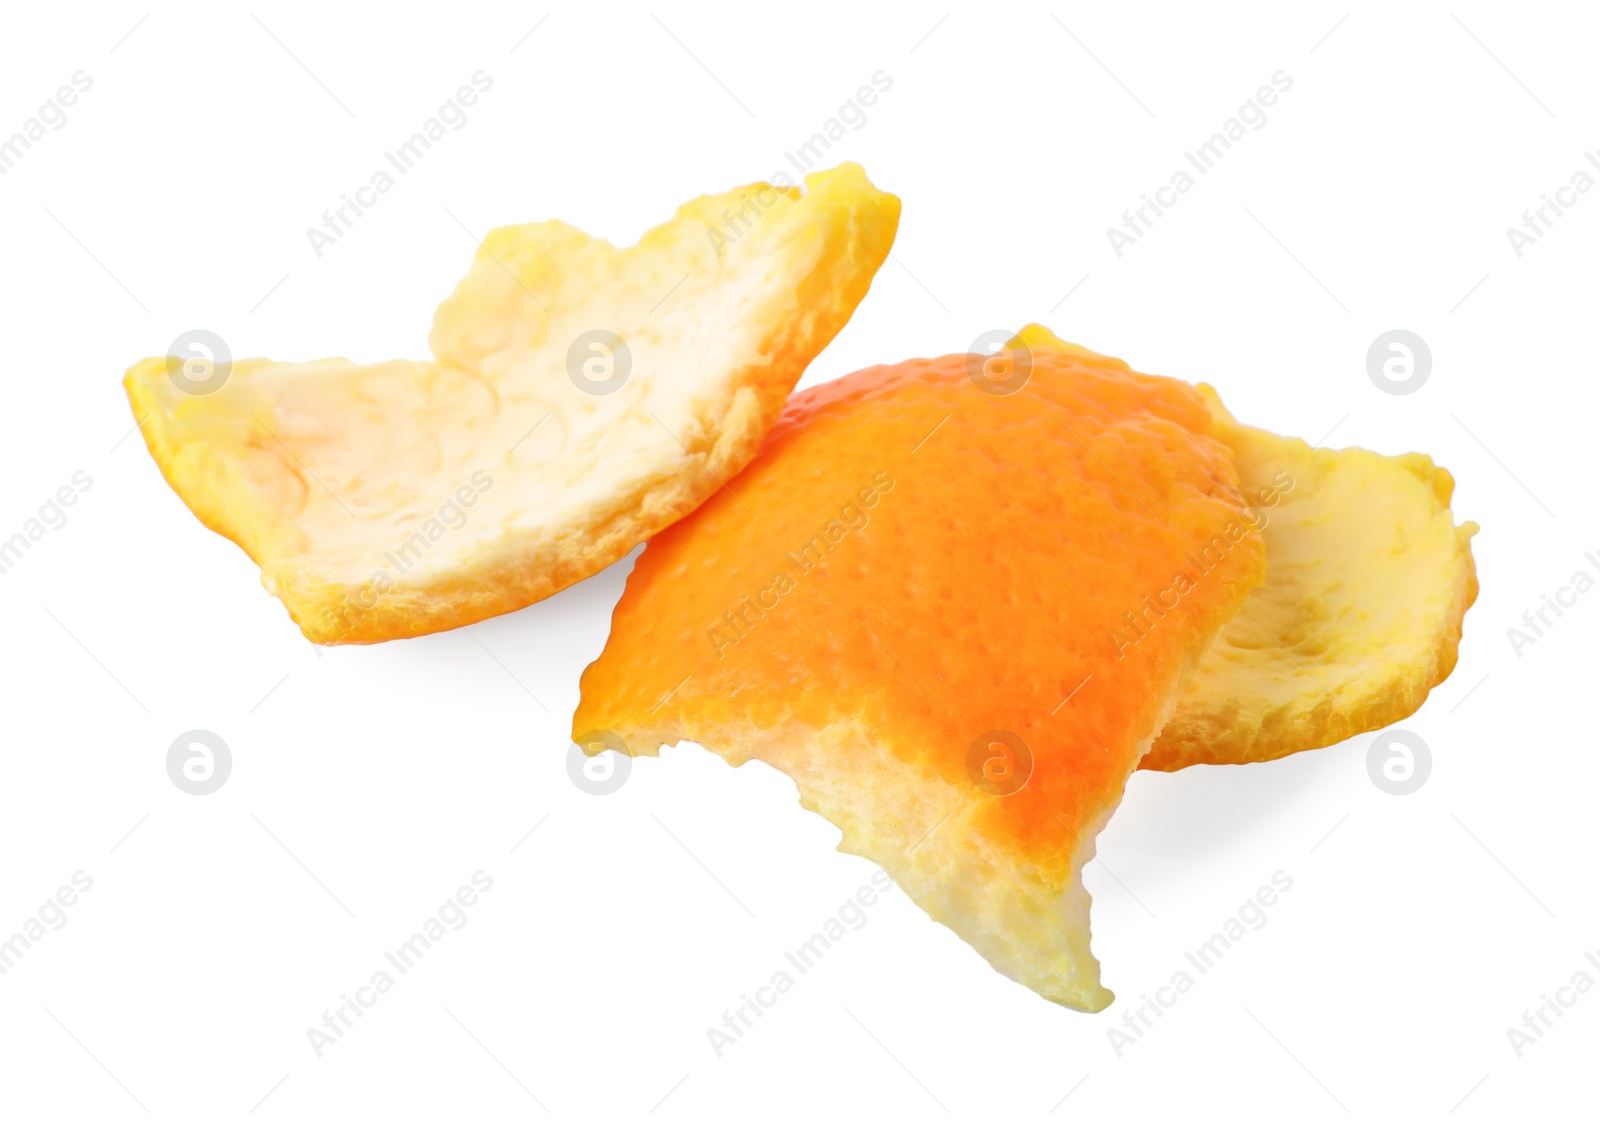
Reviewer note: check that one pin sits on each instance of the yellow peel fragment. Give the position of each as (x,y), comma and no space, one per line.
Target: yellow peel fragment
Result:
(395,499)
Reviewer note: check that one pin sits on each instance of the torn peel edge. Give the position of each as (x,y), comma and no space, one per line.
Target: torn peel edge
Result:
(1029,919)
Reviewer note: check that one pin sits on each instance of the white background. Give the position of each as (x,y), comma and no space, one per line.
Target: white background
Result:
(370,782)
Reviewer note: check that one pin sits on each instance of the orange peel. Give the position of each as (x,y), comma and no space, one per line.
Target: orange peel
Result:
(1368,581)
(907,601)
(394,499)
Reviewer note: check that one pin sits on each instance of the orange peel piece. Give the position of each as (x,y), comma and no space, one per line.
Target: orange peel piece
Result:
(1368,581)
(907,603)
(580,399)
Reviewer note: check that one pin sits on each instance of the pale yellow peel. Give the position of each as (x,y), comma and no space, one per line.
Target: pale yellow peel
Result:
(1368,580)
(395,499)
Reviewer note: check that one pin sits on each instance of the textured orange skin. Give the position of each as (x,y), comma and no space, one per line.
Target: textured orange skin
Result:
(980,592)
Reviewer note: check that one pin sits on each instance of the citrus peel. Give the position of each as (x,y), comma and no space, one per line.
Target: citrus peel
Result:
(906,602)
(581,398)
(1368,581)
